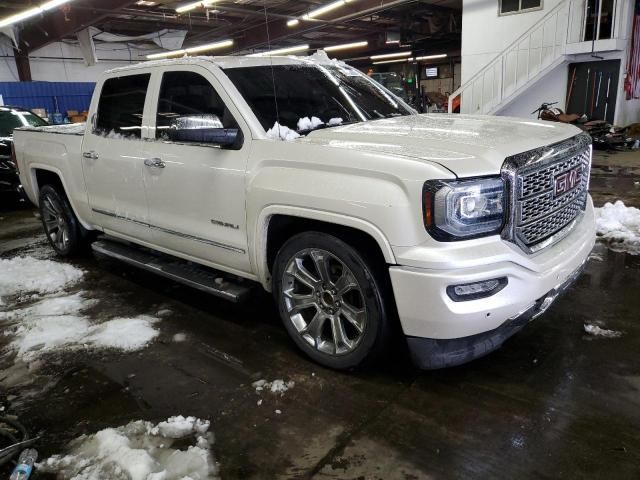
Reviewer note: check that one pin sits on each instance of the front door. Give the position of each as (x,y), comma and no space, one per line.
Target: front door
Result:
(112,158)
(196,191)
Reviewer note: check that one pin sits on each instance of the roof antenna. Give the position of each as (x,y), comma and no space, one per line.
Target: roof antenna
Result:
(273,75)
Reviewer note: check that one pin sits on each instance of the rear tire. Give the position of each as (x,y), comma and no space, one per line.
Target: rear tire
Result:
(63,231)
(330,301)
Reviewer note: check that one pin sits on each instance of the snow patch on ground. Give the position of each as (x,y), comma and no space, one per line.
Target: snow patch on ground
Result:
(282,132)
(56,323)
(139,451)
(22,275)
(278,386)
(619,226)
(127,334)
(596,331)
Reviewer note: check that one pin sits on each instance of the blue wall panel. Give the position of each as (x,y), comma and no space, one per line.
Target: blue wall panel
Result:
(52,96)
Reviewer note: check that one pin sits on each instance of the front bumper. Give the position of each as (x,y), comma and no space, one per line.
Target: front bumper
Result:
(429,318)
(430,354)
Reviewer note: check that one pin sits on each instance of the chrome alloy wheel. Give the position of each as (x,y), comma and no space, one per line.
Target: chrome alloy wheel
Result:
(56,225)
(324,301)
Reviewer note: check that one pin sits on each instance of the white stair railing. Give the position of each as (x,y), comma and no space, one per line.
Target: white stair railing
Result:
(533,53)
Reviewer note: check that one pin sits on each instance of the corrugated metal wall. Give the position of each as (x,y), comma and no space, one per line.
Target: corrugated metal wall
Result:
(67,95)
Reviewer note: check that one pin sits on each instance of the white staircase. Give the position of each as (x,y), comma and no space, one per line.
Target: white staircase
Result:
(530,57)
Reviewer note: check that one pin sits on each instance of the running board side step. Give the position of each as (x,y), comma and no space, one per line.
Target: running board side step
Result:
(181,271)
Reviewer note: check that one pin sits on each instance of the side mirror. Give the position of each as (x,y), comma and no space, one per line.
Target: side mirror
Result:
(204,129)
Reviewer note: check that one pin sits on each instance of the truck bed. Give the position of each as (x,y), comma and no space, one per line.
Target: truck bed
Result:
(55,148)
(67,129)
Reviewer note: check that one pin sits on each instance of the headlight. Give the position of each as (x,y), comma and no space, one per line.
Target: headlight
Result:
(459,210)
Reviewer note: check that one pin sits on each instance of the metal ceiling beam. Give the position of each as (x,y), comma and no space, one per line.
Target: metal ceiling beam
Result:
(278,30)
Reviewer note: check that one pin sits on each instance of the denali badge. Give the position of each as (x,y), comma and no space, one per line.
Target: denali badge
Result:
(566,181)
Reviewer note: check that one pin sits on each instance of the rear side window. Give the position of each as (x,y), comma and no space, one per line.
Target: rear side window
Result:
(121,106)
(188,98)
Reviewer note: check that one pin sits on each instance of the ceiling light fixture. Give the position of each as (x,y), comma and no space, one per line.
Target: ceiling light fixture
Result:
(345,46)
(193,5)
(390,61)
(281,51)
(318,12)
(327,8)
(187,51)
(32,12)
(390,55)
(431,57)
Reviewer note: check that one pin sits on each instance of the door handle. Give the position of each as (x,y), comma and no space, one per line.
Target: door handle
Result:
(92,155)
(154,163)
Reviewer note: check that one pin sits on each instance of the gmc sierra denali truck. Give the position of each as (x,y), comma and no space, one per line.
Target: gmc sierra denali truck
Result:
(306,177)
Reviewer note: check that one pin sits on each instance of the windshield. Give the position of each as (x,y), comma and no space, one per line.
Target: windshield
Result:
(314,96)
(12,119)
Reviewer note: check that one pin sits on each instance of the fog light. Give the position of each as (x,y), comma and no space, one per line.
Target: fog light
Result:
(476,290)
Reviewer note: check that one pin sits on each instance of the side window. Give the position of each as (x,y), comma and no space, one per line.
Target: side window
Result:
(188,101)
(121,106)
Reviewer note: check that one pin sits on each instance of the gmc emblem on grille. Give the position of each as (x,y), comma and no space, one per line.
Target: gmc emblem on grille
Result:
(566,181)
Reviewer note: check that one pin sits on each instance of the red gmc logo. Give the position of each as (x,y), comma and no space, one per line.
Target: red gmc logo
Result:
(566,181)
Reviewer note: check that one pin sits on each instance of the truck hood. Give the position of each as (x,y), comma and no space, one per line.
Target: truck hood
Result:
(468,145)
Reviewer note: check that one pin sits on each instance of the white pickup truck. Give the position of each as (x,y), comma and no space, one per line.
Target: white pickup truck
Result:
(308,178)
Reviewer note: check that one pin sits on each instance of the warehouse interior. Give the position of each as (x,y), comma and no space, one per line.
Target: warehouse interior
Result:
(121,356)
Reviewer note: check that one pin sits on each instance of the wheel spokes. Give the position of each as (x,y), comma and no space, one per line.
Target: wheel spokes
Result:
(356,317)
(345,283)
(317,288)
(303,275)
(321,261)
(341,342)
(314,328)
(297,302)
(55,224)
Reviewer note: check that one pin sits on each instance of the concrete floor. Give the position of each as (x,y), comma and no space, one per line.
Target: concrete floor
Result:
(552,403)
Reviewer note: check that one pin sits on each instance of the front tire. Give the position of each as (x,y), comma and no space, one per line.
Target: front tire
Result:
(64,232)
(330,300)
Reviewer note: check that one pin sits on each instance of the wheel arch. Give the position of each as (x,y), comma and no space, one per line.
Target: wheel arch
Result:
(45,175)
(277,224)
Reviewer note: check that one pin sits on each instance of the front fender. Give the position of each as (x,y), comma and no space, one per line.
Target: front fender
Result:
(259,245)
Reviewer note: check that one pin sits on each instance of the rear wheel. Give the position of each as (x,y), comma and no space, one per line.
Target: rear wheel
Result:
(64,232)
(330,300)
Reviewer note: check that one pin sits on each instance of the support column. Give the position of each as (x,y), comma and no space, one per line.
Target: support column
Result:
(22,65)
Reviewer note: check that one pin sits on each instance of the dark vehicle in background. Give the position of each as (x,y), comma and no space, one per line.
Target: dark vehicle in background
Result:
(10,119)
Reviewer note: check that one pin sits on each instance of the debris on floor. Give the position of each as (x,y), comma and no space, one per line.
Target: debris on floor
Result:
(275,387)
(140,450)
(596,331)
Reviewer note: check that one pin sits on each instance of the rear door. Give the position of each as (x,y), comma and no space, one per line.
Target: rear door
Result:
(196,191)
(112,157)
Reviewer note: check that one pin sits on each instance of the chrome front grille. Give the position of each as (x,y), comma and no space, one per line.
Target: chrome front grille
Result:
(539,216)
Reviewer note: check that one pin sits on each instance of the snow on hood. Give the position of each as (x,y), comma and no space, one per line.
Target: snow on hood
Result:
(469,145)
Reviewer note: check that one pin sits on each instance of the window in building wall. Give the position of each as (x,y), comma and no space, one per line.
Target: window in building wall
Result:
(508,7)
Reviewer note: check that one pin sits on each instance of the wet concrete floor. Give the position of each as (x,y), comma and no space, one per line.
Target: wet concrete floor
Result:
(552,403)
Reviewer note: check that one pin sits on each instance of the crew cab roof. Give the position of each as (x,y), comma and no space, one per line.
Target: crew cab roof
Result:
(227,62)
